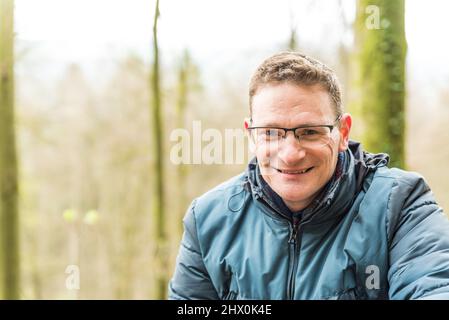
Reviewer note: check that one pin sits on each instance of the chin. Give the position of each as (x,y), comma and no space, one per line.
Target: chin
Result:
(293,196)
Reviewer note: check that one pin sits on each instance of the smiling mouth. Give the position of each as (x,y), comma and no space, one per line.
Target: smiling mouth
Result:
(294,171)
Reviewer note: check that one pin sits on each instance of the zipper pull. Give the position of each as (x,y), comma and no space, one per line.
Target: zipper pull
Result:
(294,232)
(292,237)
(296,221)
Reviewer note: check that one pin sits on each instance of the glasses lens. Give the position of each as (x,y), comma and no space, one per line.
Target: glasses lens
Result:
(312,137)
(268,134)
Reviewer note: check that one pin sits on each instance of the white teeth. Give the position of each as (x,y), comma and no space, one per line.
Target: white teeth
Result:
(294,172)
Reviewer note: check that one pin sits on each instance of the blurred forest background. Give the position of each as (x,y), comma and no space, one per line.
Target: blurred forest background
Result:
(90,91)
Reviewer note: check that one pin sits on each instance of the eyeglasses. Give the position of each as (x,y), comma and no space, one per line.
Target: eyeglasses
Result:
(308,136)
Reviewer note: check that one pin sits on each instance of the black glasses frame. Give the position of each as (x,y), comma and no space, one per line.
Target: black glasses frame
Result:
(286,130)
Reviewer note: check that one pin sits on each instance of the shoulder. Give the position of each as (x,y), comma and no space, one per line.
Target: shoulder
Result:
(225,197)
(214,216)
(409,197)
(401,177)
(400,186)
(406,186)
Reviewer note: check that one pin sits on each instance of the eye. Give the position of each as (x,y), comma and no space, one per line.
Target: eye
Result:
(312,132)
(309,132)
(270,133)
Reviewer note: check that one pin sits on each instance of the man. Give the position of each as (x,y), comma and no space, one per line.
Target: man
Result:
(314,216)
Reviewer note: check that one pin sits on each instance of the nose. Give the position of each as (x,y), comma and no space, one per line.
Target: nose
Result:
(290,150)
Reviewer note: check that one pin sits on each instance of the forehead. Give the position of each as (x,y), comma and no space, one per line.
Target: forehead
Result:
(292,104)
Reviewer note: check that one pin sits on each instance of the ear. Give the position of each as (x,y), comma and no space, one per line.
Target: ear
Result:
(344,130)
(252,146)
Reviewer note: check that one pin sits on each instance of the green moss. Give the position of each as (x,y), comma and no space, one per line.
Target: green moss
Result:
(9,219)
(380,62)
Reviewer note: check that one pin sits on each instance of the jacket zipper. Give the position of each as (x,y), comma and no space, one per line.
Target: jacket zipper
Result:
(292,243)
(293,264)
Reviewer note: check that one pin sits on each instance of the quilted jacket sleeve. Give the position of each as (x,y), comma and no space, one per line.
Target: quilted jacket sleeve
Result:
(418,242)
(190,280)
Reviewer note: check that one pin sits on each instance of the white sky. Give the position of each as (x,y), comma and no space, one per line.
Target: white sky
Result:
(87,30)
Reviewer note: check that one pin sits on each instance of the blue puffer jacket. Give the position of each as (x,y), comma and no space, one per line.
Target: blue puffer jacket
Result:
(378,235)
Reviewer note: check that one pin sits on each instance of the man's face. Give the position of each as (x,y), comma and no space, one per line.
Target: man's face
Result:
(289,105)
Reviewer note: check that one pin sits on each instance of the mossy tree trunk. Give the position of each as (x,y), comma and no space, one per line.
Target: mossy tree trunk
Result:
(9,220)
(381,52)
(158,208)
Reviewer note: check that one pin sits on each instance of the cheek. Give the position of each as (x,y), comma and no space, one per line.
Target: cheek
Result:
(263,154)
(328,161)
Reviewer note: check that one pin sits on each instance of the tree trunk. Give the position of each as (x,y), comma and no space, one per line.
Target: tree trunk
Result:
(381,52)
(9,221)
(161,254)
(292,40)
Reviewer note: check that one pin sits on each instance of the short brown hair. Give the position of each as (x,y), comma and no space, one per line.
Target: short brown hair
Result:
(298,69)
